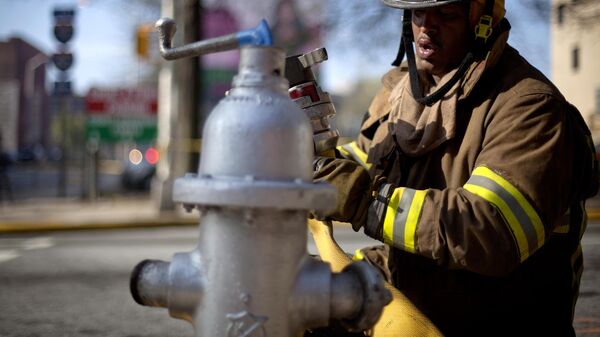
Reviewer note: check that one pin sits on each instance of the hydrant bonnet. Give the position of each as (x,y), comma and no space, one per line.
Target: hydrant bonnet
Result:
(259,105)
(258,145)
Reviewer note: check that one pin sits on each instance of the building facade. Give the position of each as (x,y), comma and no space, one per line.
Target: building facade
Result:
(23,96)
(575,39)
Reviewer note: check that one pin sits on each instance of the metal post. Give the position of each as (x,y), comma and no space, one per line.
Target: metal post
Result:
(176,90)
(90,170)
(62,166)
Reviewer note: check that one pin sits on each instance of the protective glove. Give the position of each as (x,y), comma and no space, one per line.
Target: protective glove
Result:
(355,189)
(377,209)
(351,182)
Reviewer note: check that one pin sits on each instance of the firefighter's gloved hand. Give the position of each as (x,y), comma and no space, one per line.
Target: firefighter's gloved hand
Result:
(353,185)
(382,192)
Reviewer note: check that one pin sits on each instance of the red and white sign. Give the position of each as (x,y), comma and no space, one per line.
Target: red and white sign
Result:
(123,101)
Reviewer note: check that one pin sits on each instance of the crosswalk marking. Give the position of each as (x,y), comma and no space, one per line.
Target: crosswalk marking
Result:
(11,248)
(38,243)
(8,254)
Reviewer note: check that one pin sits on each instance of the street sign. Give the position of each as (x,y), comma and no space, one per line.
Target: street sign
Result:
(63,61)
(62,88)
(138,101)
(63,33)
(115,129)
(123,114)
(63,24)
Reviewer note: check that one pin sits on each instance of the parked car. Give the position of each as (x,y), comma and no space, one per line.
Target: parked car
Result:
(139,168)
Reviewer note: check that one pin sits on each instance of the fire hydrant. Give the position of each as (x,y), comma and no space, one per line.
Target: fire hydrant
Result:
(250,274)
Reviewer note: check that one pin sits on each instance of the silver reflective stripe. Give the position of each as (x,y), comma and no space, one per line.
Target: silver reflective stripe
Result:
(515,207)
(401,218)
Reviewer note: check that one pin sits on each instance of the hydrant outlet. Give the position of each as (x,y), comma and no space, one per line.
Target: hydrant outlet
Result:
(149,283)
(374,296)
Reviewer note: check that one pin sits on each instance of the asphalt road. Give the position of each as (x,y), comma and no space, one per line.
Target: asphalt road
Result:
(77,283)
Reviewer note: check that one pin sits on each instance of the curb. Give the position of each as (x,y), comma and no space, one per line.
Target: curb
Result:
(29,227)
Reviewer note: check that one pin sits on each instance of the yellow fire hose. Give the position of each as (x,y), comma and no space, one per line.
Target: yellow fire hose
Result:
(400,317)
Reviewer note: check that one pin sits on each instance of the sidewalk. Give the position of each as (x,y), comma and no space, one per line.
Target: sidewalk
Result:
(121,212)
(69,214)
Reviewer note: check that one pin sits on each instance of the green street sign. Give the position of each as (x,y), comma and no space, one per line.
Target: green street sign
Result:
(115,129)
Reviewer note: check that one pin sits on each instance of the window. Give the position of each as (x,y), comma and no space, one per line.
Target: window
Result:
(575,59)
(560,13)
(598,101)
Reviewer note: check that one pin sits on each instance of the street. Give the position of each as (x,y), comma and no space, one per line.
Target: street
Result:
(77,283)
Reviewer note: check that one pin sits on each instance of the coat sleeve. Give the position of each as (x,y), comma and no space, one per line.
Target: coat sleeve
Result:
(511,203)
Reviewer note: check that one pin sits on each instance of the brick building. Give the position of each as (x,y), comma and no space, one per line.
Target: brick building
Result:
(23,98)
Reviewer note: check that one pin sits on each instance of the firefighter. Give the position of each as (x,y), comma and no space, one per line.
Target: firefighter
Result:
(473,169)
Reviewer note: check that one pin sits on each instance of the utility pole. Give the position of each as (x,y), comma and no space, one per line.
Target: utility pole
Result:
(178,85)
(63,60)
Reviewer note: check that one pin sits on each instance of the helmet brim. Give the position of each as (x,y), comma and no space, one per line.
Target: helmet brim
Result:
(415,4)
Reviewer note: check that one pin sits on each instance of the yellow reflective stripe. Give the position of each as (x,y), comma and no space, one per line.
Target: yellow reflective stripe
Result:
(358,255)
(352,151)
(508,215)
(531,213)
(584,219)
(345,153)
(414,213)
(390,216)
(563,224)
(362,157)
(522,219)
(402,217)
(563,229)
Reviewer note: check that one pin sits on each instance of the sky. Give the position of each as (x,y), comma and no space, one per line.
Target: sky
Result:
(530,35)
(104,50)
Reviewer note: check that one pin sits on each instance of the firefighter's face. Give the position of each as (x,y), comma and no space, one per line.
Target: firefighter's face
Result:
(442,37)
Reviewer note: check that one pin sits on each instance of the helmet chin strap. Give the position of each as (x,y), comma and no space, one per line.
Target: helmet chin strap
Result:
(415,84)
(406,47)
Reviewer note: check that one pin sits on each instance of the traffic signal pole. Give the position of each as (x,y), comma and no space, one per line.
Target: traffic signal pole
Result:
(63,60)
(177,92)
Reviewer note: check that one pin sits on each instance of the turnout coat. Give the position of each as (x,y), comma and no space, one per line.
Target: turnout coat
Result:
(484,228)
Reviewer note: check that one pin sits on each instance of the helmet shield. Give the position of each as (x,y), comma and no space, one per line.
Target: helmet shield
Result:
(418,4)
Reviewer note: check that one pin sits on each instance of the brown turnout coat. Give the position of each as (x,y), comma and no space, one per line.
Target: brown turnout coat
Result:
(466,272)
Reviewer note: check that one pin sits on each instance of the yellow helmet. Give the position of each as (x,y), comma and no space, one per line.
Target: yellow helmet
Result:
(478,8)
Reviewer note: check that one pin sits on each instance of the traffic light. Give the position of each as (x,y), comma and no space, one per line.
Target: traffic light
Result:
(142,38)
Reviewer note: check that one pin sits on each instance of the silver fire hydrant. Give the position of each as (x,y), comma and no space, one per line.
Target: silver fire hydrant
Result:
(250,274)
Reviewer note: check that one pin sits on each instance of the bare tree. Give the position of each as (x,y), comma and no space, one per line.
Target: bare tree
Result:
(541,8)
(578,12)
(363,24)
